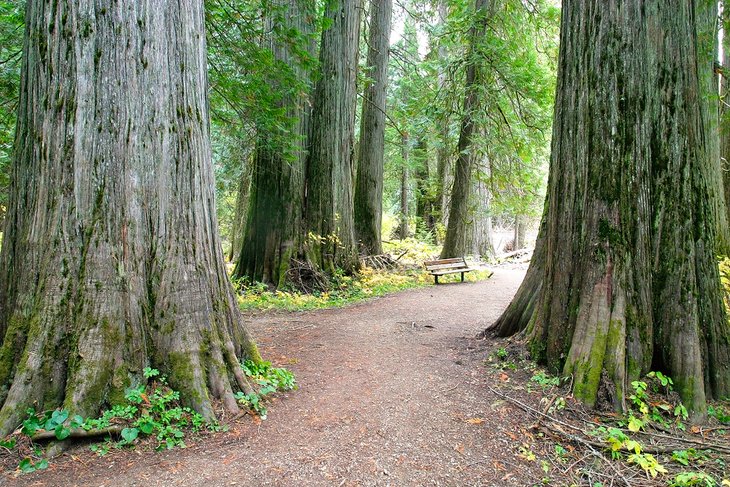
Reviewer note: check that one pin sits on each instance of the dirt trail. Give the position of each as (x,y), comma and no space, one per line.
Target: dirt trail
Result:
(386,389)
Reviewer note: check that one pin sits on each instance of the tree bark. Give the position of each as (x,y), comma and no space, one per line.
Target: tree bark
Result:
(455,242)
(369,185)
(273,226)
(630,279)
(330,239)
(112,260)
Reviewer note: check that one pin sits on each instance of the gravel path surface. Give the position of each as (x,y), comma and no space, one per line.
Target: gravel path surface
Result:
(392,392)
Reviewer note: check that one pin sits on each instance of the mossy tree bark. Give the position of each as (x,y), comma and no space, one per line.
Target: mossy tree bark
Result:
(330,236)
(630,280)
(457,229)
(273,226)
(112,260)
(369,183)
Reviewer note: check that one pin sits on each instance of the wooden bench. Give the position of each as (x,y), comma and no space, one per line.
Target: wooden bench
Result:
(447,266)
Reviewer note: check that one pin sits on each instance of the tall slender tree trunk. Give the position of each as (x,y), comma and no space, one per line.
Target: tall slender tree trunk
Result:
(424,193)
(112,260)
(369,185)
(330,241)
(725,114)
(455,243)
(707,50)
(403,217)
(630,280)
(443,154)
(240,212)
(273,225)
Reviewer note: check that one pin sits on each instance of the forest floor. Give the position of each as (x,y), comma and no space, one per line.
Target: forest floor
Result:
(393,391)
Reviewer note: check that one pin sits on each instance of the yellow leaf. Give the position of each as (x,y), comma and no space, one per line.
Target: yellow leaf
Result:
(475,420)
(726,483)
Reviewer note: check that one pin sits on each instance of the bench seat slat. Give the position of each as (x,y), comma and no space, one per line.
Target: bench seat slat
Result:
(443,261)
(446,266)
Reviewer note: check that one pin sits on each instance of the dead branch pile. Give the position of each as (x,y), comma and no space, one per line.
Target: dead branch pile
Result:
(591,462)
(302,276)
(382,262)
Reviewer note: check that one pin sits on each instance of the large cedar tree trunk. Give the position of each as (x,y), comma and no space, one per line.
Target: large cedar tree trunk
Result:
(456,240)
(630,281)
(330,238)
(273,225)
(112,260)
(369,184)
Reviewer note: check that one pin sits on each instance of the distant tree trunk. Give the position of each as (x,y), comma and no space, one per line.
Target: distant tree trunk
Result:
(369,185)
(481,242)
(403,217)
(519,232)
(273,225)
(521,309)
(240,212)
(112,260)
(330,236)
(424,192)
(455,243)
(630,280)
(707,49)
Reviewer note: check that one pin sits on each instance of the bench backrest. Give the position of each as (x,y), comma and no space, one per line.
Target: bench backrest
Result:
(454,263)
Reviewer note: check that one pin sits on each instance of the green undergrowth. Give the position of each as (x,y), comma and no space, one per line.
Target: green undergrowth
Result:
(344,290)
(368,283)
(150,416)
(653,440)
(409,255)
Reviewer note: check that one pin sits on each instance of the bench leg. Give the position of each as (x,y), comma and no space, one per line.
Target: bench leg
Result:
(462,277)
(436,279)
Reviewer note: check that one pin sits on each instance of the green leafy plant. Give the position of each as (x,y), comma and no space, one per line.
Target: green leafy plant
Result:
(648,463)
(719,413)
(688,479)
(269,379)
(28,465)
